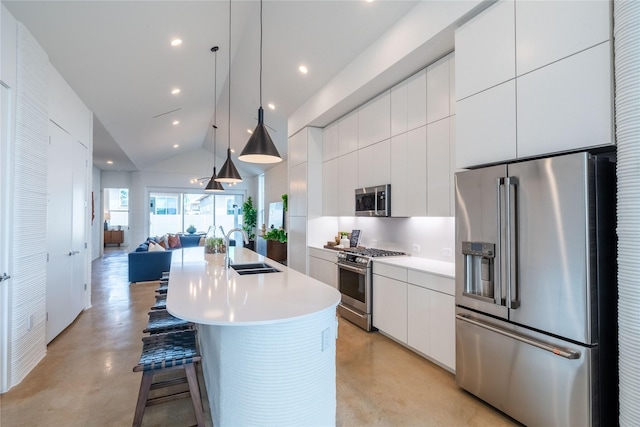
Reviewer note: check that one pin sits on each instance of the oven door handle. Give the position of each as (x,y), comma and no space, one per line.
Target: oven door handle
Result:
(354,269)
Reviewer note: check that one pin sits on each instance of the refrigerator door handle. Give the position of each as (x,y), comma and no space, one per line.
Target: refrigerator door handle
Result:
(499,294)
(567,354)
(513,299)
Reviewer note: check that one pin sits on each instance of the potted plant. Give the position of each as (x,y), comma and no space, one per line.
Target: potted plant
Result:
(276,244)
(191,229)
(214,245)
(249,220)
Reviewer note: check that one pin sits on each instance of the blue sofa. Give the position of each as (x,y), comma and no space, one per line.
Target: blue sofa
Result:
(148,266)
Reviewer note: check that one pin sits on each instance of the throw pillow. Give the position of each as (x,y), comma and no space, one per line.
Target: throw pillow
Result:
(174,241)
(155,247)
(163,244)
(142,248)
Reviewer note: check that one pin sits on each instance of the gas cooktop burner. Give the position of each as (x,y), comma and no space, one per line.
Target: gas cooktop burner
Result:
(373,253)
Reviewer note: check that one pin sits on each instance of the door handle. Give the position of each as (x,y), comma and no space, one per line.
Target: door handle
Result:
(4,277)
(513,299)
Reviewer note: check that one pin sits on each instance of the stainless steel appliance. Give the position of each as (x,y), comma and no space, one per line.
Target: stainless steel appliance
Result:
(354,283)
(536,289)
(373,201)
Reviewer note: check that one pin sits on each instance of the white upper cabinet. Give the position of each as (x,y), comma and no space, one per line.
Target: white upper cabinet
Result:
(567,105)
(374,166)
(452,83)
(347,182)
(547,31)
(399,108)
(485,50)
(365,125)
(416,170)
(399,176)
(348,133)
(330,187)
(298,148)
(417,100)
(298,189)
(382,117)
(438,90)
(330,142)
(486,126)
(439,176)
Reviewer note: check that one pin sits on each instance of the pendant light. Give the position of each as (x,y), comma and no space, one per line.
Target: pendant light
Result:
(260,148)
(228,172)
(214,186)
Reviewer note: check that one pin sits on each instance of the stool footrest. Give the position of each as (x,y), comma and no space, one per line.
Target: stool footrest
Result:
(168,383)
(167,398)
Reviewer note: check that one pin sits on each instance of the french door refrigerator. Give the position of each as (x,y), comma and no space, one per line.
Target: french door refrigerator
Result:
(536,333)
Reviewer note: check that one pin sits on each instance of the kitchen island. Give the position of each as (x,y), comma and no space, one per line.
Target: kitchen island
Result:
(267,340)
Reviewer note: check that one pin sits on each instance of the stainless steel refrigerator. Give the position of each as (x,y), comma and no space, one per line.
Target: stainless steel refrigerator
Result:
(536,333)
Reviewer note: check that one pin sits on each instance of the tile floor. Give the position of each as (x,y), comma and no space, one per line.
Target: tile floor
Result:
(86,378)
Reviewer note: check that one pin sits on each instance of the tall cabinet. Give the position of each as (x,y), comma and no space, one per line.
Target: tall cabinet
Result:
(305,185)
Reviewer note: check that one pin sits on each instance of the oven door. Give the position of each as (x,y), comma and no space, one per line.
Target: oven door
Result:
(353,284)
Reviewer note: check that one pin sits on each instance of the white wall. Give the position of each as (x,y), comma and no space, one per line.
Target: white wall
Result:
(96,225)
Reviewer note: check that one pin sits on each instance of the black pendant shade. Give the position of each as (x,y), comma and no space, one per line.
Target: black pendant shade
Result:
(214,186)
(228,171)
(260,148)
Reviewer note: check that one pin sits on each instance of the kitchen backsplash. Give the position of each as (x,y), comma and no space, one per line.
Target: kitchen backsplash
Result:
(424,237)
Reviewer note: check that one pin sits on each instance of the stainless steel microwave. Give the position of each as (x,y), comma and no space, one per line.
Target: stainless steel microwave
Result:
(373,201)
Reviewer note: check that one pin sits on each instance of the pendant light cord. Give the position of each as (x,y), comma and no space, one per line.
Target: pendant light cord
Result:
(260,53)
(215,107)
(229,78)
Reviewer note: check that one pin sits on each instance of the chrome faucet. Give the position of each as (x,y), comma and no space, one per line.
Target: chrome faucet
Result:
(227,261)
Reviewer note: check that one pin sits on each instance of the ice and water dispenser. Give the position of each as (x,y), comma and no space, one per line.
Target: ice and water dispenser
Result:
(479,270)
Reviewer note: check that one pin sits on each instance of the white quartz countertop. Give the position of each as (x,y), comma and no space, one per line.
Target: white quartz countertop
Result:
(201,290)
(446,269)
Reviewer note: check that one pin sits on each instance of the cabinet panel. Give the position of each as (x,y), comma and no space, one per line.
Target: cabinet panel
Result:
(438,173)
(348,134)
(438,90)
(418,323)
(298,190)
(297,245)
(486,126)
(330,142)
(347,183)
(417,100)
(298,148)
(399,176)
(567,105)
(432,281)
(442,336)
(374,167)
(547,31)
(452,164)
(382,117)
(399,108)
(452,83)
(330,188)
(391,271)
(390,307)
(324,271)
(416,171)
(365,125)
(485,50)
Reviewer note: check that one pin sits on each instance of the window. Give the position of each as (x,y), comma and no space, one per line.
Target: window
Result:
(116,207)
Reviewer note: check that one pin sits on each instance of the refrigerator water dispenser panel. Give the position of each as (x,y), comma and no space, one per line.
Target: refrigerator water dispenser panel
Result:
(478,270)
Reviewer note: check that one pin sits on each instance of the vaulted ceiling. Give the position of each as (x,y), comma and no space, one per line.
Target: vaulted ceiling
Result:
(117,56)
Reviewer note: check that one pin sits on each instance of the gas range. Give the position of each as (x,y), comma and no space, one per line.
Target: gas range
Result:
(362,257)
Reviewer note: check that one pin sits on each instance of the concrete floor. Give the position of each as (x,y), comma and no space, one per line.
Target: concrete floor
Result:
(86,378)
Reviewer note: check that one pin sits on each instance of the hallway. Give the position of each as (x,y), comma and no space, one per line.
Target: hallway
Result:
(86,378)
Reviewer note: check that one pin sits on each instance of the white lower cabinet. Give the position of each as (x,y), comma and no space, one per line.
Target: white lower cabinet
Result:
(322,266)
(390,307)
(416,308)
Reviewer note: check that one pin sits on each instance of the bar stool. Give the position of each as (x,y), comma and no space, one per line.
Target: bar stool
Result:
(161,353)
(163,288)
(162,321)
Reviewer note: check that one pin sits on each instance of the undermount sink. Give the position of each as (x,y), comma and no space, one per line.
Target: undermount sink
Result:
(254,268)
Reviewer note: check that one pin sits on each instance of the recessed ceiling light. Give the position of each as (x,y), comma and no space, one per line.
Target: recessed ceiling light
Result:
(176,42)
(176,122)
(175,91)
(176,145)
(303,69)
(249,131)
(273,107)
(109,162)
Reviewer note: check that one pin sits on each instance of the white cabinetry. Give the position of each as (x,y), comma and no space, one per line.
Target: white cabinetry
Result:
(374,120)
(330,187)
(348,134)
(298,189)
(416,308)
(409,173)
(573,98)
(330,142)
(485,50)
(297,149)
(374,167)
(322,266)
(347,183)
(438,90)
(417,100)
(439,175)
(399,108)
(548,31)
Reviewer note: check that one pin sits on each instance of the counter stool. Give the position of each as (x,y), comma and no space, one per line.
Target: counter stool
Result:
(161,302)
(162,321)
(161,353)
(163,288)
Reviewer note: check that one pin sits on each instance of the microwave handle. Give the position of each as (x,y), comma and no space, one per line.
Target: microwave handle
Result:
(375,201)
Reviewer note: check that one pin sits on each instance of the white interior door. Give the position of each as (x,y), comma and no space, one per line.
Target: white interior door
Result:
(4,241)
(64,299)
(79,226)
